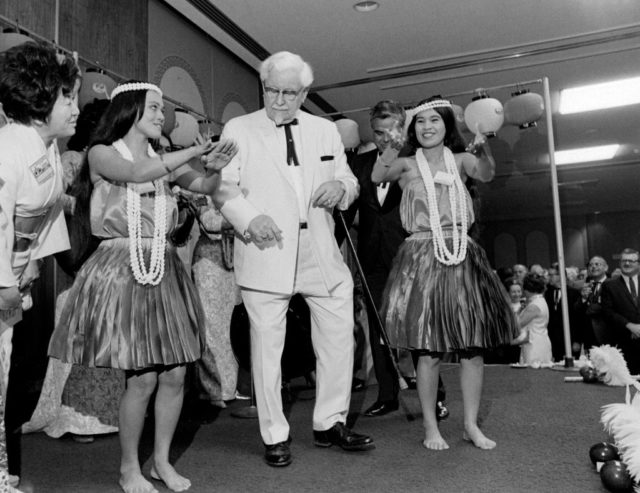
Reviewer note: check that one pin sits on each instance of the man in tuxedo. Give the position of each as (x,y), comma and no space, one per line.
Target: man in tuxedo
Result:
(380,234)
(588,308)
(279,192)
(620,308)
(553,297)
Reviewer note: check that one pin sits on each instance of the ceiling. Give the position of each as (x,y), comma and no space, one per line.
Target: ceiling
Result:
(411,49)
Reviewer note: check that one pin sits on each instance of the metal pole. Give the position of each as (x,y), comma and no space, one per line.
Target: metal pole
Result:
(568,358)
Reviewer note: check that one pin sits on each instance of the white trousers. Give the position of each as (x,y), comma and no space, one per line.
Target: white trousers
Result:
(332,337)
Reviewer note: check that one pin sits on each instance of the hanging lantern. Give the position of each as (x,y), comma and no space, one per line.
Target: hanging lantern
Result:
(458,111)
(95,85)
(484,115)
(169,118)
(186,130)
(9,40)
(348,130)
(524,109)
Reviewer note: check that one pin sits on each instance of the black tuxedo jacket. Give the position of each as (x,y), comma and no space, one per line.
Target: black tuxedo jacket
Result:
(619,308)
(380,230)
(556,324)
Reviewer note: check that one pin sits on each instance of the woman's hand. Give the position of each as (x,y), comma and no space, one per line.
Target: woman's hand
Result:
(220,154)
(10,298)
(478,143)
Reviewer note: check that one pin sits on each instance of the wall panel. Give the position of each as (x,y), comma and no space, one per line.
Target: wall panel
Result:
(113,33)
(36,15)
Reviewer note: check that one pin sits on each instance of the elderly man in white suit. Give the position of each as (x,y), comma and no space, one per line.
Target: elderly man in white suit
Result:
(279,193)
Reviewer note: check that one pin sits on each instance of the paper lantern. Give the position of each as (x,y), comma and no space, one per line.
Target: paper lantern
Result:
(9,40)
(484,115)
(169,118)
(458,111)
(524,109)
(186,130)
(95,85)
(348,130)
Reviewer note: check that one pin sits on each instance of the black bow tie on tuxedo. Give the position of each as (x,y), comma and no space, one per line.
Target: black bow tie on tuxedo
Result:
(292,157)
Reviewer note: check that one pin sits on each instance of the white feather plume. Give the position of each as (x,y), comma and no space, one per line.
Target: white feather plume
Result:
(622,422)
(610,365)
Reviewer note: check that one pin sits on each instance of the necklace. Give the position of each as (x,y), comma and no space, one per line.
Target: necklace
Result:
(458,202)
(154,274)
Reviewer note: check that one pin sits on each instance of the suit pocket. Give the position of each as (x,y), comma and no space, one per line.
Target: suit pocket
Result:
(326,159)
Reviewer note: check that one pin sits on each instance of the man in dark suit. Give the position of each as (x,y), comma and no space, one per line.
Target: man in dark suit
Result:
(380,234)
(620,308)
(588,308)
(553,297)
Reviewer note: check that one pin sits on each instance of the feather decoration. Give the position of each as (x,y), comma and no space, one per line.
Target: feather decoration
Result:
(611,366)
(622,422)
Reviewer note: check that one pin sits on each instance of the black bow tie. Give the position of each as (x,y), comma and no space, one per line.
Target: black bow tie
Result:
(292,122)
(292,157)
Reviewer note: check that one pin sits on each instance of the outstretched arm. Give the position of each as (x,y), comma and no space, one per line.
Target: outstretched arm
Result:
(478,162)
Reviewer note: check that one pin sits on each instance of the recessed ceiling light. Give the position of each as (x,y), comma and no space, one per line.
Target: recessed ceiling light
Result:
(366,6)
(586,154)
(612,94)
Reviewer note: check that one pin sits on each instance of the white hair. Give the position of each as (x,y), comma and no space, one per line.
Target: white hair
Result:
(284,60)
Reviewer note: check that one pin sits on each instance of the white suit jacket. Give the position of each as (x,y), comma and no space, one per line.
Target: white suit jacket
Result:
(257,182)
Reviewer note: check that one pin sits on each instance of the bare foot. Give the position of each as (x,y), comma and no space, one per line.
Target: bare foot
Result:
(166,473)
(134,482)
(475,436)
(433,441)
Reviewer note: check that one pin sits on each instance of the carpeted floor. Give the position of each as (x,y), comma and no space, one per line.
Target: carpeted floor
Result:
(544,428)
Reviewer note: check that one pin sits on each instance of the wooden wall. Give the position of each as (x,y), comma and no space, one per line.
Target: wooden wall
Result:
(113,33)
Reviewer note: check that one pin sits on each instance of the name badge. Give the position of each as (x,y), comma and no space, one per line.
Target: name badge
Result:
(42,170)
(443,178)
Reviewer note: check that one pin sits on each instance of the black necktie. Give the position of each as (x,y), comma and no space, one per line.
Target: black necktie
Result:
(292,157)
(634,290)
(383,185)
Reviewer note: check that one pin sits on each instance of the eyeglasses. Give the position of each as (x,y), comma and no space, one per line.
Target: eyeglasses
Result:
(628,261)
(287,94)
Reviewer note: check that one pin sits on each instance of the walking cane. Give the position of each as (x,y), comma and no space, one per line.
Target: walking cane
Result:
(381,330)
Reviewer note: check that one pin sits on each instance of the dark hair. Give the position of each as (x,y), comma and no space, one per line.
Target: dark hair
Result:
(31,79)
(388,109)
(87,122)
(116,120)
(452,137)
(534,283)
(123,111)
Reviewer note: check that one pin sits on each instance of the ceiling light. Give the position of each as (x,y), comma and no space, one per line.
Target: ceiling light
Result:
(366,6)
(599,96)
(586,154)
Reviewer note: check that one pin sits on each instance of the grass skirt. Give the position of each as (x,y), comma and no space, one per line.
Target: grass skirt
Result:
(110,320)
(439,308)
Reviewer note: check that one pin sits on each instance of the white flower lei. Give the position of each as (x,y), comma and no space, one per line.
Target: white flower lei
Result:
(458,201)
(155,272)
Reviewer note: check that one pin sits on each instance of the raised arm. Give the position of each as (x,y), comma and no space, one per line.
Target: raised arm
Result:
(478,163)
(105,161)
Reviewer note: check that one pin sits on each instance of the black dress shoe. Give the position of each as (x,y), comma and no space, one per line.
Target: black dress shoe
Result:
(278,454)
(340,435)
(441,411)
(380,408)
